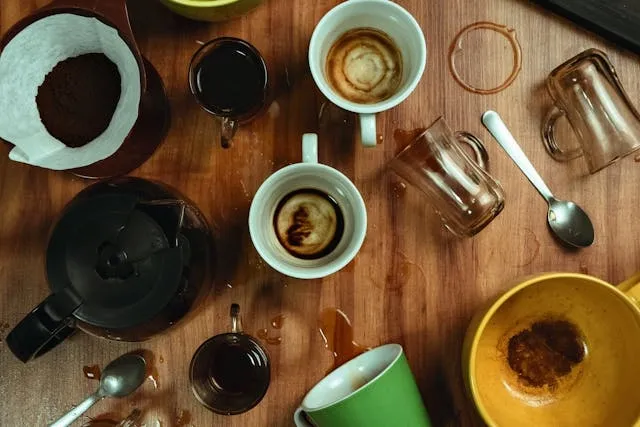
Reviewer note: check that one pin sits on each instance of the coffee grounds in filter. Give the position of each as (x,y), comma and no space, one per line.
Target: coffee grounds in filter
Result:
(78,98)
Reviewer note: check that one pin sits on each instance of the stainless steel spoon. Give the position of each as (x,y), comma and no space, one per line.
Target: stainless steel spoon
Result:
(566,219)
(120,378)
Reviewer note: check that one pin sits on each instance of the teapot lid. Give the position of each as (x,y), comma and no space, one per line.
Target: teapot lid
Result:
(120,250)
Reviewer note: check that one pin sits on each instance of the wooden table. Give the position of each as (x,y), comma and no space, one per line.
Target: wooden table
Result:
(412,283)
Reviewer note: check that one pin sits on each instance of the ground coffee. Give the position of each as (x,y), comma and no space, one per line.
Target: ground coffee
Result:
(78,97)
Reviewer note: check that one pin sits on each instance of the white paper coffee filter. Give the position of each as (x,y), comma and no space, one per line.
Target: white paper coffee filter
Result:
(25,62)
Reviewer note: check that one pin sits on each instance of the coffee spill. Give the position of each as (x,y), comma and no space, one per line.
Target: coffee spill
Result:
(274,340)
(263,334)
(152,369)
(532,246)
(107,419)
(152,376)
(92,372)
(337,333)
(456,48)
(546,352)
(100,423)
(278,321)
(183,418)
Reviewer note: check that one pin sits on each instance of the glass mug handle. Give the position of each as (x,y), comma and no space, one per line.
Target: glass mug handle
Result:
(228,128)
(479,151)
(549,138)
(236,323)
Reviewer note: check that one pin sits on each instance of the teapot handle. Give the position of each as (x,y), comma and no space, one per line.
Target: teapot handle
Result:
(49,324)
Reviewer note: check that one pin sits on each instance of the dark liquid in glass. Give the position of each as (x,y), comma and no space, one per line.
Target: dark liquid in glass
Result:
(237,369)
(230,80)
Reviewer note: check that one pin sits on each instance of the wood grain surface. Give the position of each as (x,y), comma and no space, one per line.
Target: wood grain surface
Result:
(411,283)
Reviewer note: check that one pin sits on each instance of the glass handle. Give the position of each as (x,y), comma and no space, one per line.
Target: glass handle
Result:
(236,323)
(548,137)
(479,151)
(228,128)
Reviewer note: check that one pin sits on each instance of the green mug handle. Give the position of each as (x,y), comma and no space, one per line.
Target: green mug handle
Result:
(300,419)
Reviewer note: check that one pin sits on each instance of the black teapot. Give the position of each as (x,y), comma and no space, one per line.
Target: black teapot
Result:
(127,259)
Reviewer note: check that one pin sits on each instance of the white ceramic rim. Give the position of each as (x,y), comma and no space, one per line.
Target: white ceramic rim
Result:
(317,73)
(360,227)
(338,372)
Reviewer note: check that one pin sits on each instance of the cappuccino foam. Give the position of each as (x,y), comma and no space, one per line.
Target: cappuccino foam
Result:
(308,223)
(364,66)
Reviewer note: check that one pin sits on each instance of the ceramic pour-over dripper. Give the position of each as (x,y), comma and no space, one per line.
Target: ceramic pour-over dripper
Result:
(65,29)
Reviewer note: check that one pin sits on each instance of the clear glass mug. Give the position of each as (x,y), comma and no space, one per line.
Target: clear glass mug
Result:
(586,90)
(463,194)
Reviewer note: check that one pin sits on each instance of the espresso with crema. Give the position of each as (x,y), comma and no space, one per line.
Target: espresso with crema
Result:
(308,223)
(364,66)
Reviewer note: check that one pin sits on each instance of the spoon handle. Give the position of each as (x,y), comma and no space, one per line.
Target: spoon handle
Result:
(493,122)
(73,414)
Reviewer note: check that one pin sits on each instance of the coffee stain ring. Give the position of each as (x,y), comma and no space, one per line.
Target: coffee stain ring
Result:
(508,33)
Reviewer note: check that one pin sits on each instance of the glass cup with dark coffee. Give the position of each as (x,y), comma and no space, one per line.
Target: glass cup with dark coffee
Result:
(228,78)
(230,373)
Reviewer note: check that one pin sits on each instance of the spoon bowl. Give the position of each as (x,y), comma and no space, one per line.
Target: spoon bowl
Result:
(570,223)
(123,376)
(120,378)
(567,220)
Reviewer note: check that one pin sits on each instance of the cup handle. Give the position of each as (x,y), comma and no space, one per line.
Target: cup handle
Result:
(479,151)
(368,134)
(549,138)
(631,287)
(300,420)
(45,327)
(310,148)
(236,323)
(228,129)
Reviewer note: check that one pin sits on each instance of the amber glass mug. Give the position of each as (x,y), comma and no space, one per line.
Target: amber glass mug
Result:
(586,90)
(463,194)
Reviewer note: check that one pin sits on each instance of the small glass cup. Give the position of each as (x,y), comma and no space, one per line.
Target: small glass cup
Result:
(586,90)
(230,373)
(229,79)
(463,194)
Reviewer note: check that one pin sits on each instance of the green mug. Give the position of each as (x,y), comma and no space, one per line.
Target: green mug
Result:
(376,389)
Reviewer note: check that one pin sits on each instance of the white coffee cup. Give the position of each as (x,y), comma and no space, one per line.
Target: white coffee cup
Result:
(385,16)
(307,175)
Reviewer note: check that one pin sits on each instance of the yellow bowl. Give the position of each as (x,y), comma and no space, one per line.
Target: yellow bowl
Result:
(583,372)
(211,10)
